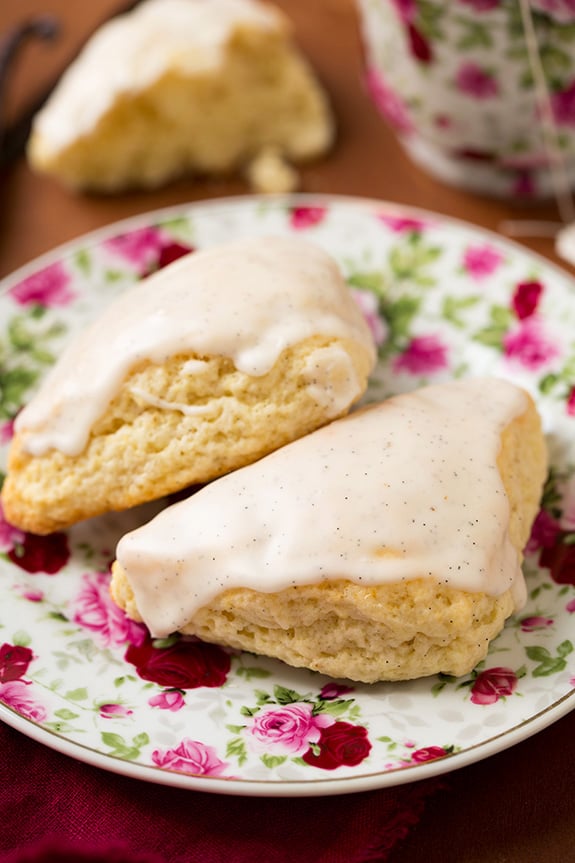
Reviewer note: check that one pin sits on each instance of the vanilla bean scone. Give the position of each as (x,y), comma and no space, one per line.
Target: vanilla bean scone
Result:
(180,87)
(201,368)
(386,545)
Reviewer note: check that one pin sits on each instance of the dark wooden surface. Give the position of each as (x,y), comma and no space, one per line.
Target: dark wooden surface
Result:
(515,807)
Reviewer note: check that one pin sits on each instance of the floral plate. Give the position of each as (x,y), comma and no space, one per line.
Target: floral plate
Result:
(444,299)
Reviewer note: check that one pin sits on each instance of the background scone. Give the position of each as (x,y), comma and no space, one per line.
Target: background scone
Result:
(385,546)
(182,86)
(206,365)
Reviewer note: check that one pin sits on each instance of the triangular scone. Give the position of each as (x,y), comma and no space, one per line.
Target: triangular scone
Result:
(203,367)
(385,546)
(181,87)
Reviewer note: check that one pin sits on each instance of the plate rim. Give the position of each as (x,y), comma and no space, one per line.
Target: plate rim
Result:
(111,229)
(327,786)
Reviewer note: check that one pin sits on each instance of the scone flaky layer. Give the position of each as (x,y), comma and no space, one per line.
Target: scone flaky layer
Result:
(146,445)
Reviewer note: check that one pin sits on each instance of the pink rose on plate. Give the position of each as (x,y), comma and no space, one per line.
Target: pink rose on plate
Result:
(403,224)
(192,757)
(139,247)
(492,684)
(306,217)
(443,121)
(475,81)
(6,431)
(169,699)
(481,261)
(113,711)
(16,694)
(406,10)
(288,729)
(526,299)
(31,595)
(47,287)
(536,622)
(529,345)
(147,248)
(369,306)
(94,609)
(334,690)
(388,102)
(423,355)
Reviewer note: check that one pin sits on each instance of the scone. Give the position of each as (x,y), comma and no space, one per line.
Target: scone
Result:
(201,368)
(384,546)
(182,87)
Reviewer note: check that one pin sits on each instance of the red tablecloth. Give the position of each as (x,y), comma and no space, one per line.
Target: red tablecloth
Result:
(54,809)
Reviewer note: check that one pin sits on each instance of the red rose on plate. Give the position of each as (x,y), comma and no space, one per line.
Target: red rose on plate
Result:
(14,662)
(339,744)
(560,561)
(167,253)
(419,45)
(492,684)
(526,298)
(183,665)
(171,252)
(41,553)
(428,753)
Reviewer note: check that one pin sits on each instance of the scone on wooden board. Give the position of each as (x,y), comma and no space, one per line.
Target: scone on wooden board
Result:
(385,546)
(180,87)
(201,368)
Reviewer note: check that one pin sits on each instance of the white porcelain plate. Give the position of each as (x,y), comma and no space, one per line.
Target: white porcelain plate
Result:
(445,299)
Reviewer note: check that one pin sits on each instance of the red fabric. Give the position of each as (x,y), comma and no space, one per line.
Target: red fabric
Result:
(54,809)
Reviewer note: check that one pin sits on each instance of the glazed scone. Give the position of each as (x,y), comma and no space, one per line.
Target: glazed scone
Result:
(384,546)
(201,368)
(179,87)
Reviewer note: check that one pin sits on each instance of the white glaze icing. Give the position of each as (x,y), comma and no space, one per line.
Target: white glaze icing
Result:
(416,476)
(147,398)
(248,300)
(128,53)
(331,379)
